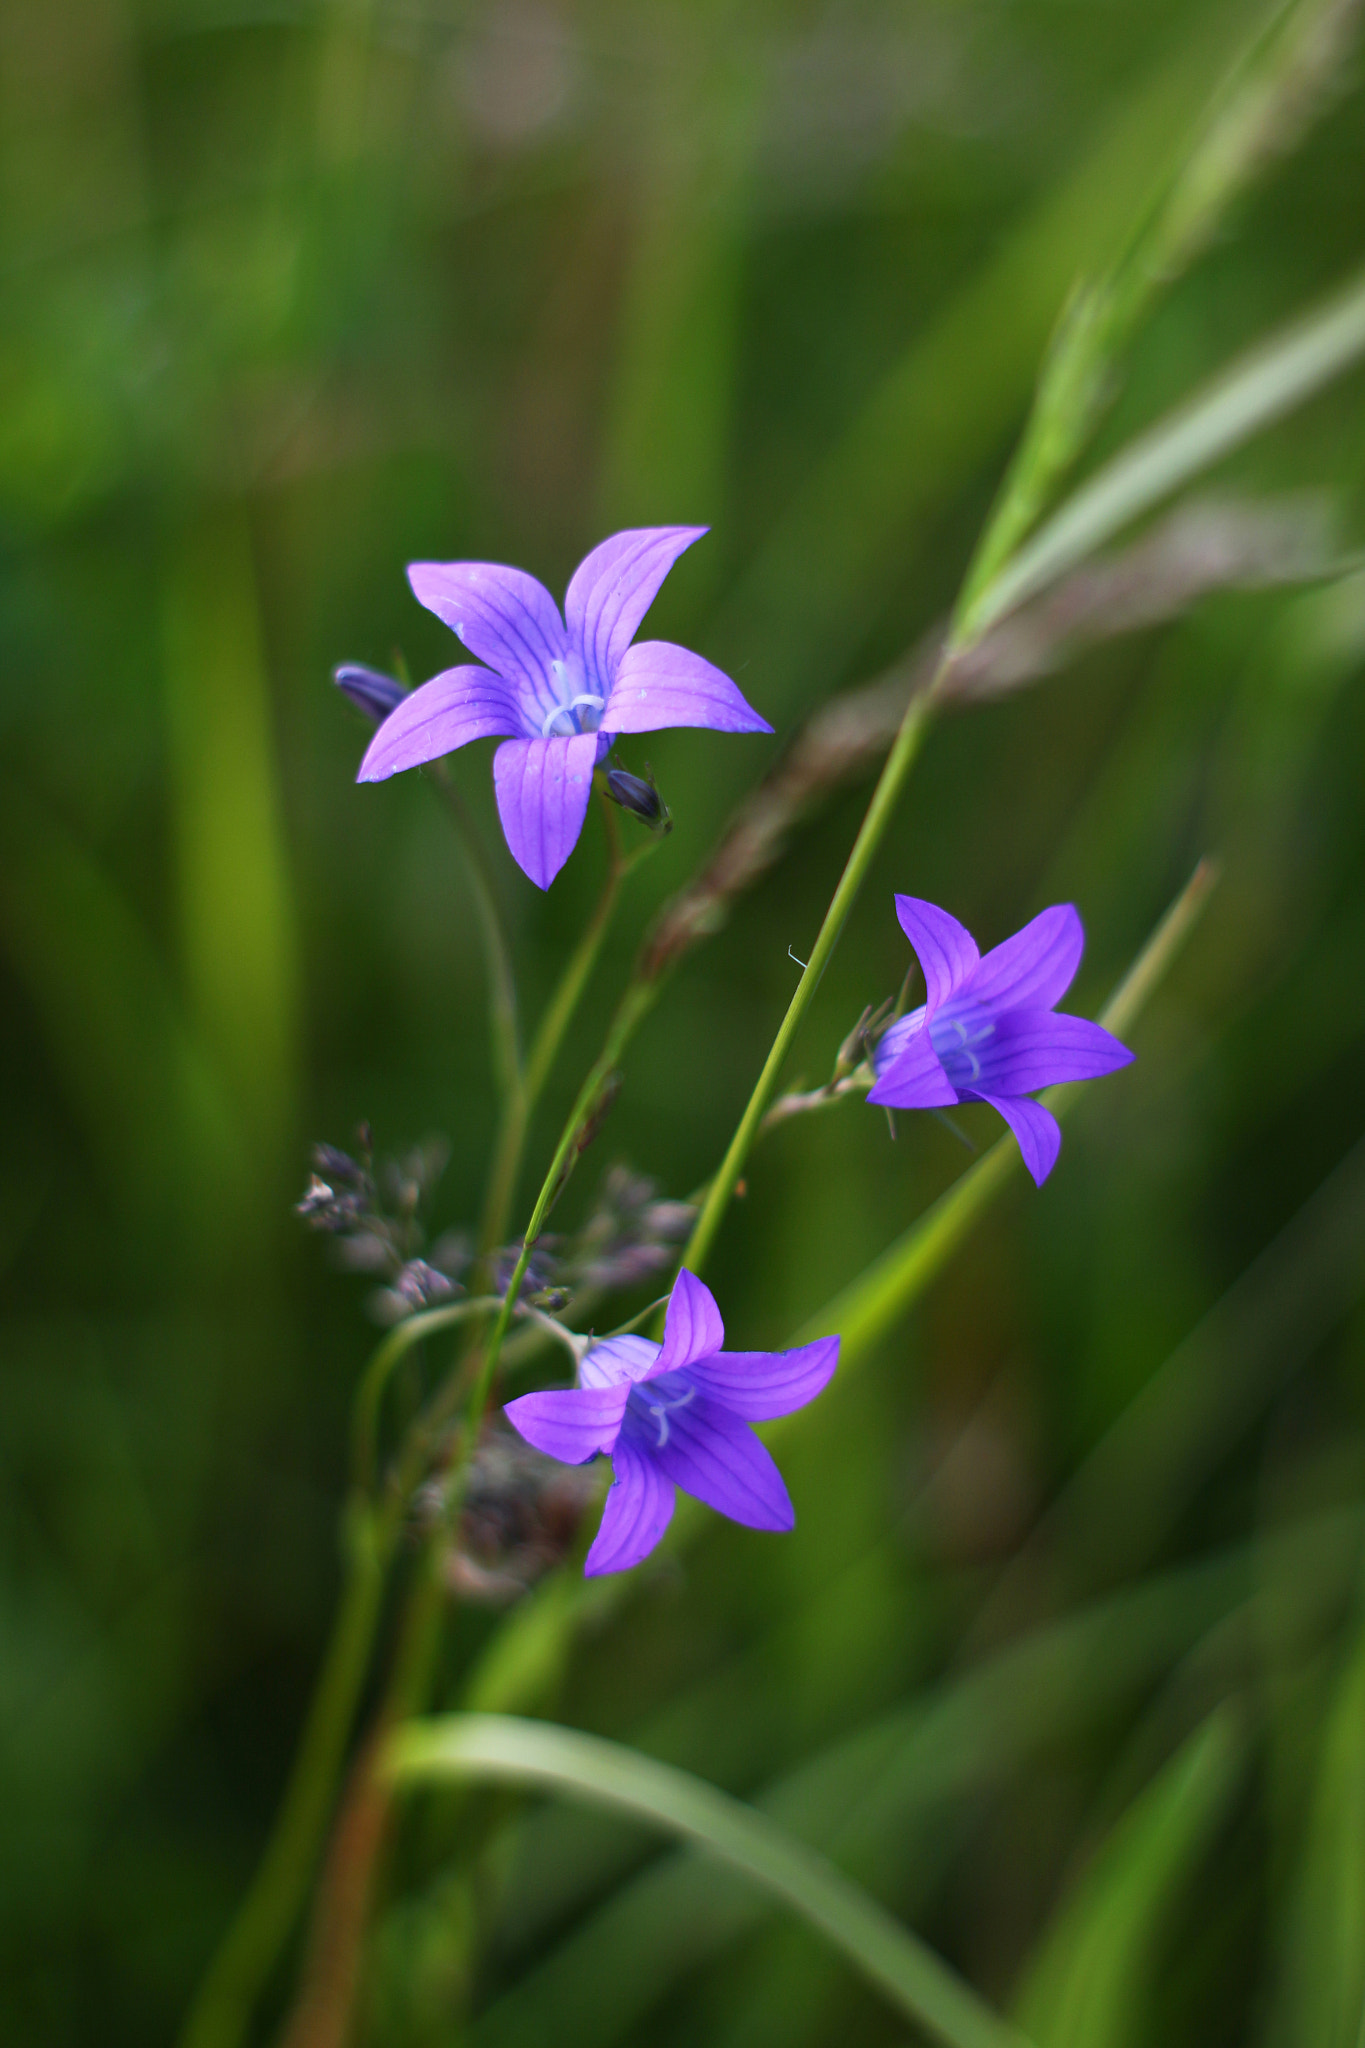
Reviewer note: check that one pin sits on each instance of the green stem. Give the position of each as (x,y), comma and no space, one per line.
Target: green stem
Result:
(370,1392)
(504,1031)
(222,2011)
(879,812)
(634,1006)
(519,1104)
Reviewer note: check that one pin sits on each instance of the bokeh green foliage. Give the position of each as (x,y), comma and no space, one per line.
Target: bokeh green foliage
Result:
(295,293)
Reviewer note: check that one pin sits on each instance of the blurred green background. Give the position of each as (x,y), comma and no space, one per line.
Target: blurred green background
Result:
(294,293)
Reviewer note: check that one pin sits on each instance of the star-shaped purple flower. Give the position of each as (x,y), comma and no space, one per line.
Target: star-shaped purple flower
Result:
(556,691)
(988,1030)
(676,1414)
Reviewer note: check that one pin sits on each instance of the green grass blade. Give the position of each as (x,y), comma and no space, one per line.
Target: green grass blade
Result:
(1281,80)
(882,1799)
(962,384)
(1087,1985)
(1323,1989)
(537,1754)
(1257,390)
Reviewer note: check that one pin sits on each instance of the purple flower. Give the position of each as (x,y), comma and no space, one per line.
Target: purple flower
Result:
(557,691)
(988,1031)
(676,1414)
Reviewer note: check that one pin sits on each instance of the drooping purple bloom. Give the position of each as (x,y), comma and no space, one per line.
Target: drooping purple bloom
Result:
(676,1414)
(556,690)
(988,1030)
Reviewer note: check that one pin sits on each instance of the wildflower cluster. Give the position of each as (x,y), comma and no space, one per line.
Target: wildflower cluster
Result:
(556,690)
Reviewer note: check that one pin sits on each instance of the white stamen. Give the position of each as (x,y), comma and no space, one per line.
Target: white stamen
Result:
(661,1410)
(567,711)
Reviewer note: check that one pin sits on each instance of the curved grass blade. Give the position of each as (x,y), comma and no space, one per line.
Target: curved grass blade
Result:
(538,1754)
(883,1799)
(1086,1985)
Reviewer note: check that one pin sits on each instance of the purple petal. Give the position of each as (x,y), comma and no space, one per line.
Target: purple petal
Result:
(692,1327)
(570,1423)
(1035,968)
(542,788)
(896,1038)
(913,1078)
(505,618)
(460,705)
(758,1385)
(1033,1049)
(658,684)
(615,586)
(1036,1128)
(945,949)
(710,1453)
(617,1359)
(639,1508)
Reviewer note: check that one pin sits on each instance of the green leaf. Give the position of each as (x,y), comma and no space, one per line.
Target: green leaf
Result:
(538,1754)
(1085,1988)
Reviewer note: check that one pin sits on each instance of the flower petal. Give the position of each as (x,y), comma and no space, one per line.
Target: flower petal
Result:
(615,586)
(617,1359)
(639,1508)
(1032,1049)
(896,1038)
(542,788)
(658,684)
(913,1078)
(758,1385)
(692,1327)
(710,1453)
(459,705)
(570,1423)
(945,949)
(505,618)
(1036,1128)
(1035,968)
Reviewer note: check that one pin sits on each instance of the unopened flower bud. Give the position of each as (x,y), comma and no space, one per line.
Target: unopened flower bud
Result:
(373,693)
(633,793)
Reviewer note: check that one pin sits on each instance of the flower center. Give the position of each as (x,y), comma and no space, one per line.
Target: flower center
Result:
(954,1033)
(580,713)
(661,1410)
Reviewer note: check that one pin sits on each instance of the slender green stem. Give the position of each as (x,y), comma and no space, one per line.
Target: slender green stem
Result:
(370,1392)
(879,812)
(504,1030)
(519,1104)
(222,2011)
(635,1004)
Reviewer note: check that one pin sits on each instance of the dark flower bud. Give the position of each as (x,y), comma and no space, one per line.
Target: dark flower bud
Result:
(373,694)
(551,1298)
(633,793)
